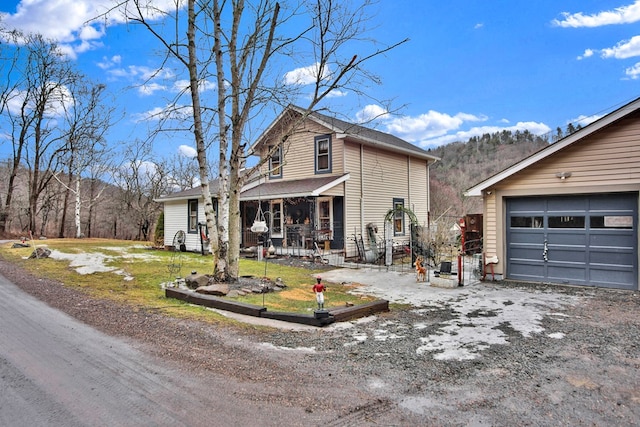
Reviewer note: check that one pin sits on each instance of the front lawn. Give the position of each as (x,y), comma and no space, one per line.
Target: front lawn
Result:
(133,273)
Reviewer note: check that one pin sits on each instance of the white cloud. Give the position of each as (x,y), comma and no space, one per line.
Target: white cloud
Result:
(169,112)
(74,24)
(584,120)
(183,85)
(150,88)
(107,63)
(533,127)
(587,54)
(306,75)
(429,125)
(633,72)
(187,151)
(478,26)
(624,49)
(371,112)
(620,15)
(59,101)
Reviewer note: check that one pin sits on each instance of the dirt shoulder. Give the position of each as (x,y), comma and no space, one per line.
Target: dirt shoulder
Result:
(581,366)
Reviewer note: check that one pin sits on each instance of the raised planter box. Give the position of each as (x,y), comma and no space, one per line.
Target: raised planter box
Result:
(342,314)
(334,314)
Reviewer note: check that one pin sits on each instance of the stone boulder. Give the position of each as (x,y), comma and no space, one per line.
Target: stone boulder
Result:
(40,253)
(218,289)
(195,280)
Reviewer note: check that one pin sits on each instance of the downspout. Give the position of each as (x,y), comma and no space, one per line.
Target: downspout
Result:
(361,188)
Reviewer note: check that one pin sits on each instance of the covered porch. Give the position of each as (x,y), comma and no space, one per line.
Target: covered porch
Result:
(297,213)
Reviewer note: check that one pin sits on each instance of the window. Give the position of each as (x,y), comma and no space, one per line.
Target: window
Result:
(566,222)
(275,162)
(276,218)
(611,221)
(325,219)
(526,221)
(323,154)
(192,219)
(398,217)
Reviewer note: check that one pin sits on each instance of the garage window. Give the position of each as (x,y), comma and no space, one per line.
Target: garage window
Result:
(526,222)
(611,222)
(566,222)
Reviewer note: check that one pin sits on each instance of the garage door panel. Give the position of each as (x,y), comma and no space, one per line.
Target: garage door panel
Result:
(612,240)
(567,238)
(566,273)
(613,278)
(610,257)
(564,254)
(526,253)
(564,204)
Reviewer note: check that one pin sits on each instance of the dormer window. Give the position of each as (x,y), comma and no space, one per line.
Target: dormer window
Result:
(323,153)
(275,162)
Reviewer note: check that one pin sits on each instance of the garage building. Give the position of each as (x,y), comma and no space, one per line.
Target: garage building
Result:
(568,214)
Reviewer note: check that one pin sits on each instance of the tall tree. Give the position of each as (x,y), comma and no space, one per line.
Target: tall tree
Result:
(87,118)
(242,45)
(142,180)
(39,78)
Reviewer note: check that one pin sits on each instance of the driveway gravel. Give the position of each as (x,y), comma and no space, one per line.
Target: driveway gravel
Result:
(482,354)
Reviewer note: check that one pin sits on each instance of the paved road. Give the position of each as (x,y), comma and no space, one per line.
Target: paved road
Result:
(55,371)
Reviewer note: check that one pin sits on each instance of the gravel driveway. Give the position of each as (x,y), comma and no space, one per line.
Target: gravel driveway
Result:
(483,354)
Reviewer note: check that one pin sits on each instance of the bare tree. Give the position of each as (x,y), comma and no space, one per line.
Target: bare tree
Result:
(38,79)
(142,180)
(87,118)
(250,41)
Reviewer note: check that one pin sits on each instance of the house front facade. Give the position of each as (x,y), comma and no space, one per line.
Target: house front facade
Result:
(323,181)
(569,213)
(329,182)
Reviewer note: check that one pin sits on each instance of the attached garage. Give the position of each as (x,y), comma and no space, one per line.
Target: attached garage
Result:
(568,214)
(581,240)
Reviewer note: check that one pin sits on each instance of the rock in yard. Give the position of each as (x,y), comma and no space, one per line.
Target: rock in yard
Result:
(40,253)
(194,281)
(219,289)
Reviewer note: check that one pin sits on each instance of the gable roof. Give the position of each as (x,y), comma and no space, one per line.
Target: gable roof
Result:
(590,129)
(191,193)
(353,132)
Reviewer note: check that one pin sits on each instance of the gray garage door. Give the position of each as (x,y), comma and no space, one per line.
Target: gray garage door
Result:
(582,240)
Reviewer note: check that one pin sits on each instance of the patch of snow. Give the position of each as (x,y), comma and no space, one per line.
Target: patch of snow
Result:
(269,346)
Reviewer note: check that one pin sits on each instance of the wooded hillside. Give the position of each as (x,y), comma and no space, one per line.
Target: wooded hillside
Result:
(464,164)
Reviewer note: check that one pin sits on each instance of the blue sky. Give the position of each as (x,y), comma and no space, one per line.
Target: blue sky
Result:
(470,67)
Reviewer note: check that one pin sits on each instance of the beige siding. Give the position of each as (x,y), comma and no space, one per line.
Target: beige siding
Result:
(608,158)
(490,224)
(419,190)
(352,195)
(299,153)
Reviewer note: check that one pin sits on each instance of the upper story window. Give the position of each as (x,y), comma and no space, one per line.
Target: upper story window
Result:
(192,219)
(398,217)
(275,162)
(323,153)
